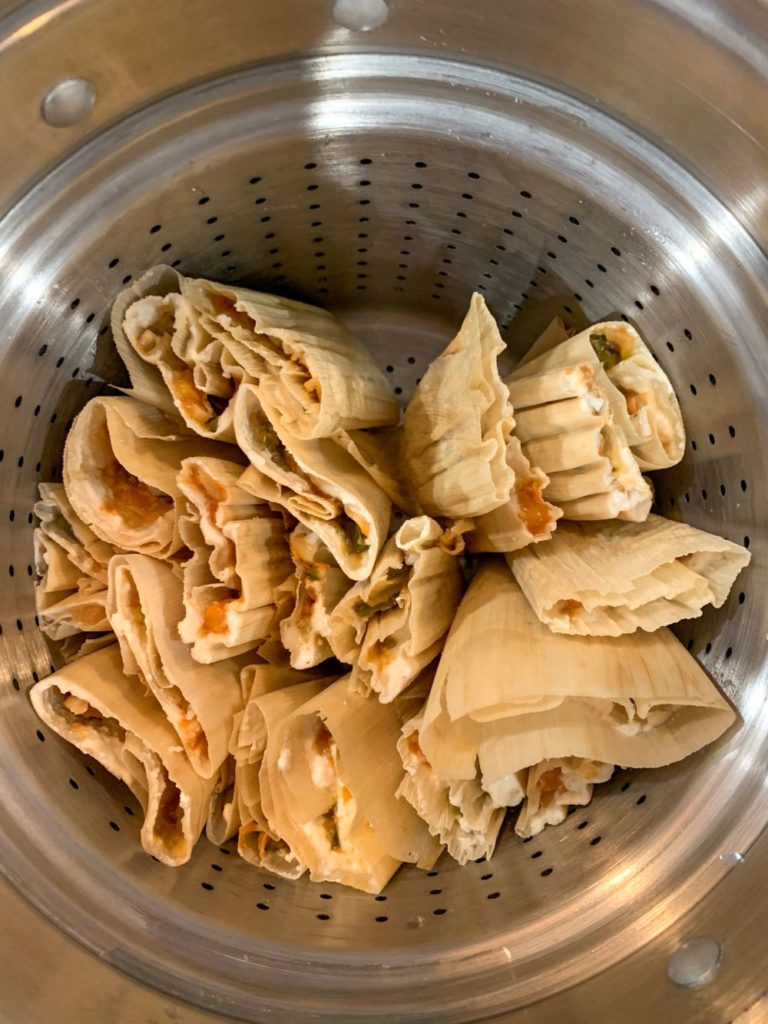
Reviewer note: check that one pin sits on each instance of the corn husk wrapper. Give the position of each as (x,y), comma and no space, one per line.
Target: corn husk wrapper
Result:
(380,453)
(79,644)
(81,611)
(55,570)
(656,431)
(211,616)
(316,481)
(458,422)
(651,401)
(174,363)
(392,625)
(239,556)
(71,566)
(458,812)
(459,449)
(102,712)
(316,587)
(509,695)
(554,786)
(263,838)
(322,377)
(61,526)
(526,518)
(555,333)
(574,424)
(223,819)
(341,771)
(120,464)
(145,606)
(614,578)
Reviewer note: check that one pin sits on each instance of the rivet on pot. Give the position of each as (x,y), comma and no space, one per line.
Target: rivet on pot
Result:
(68,102)
(695,963)
(360,15)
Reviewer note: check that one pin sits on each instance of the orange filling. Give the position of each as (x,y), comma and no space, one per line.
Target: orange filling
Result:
(382,653)
(533,509)
(81,708)
(264,841)
(193,735)
(211,492)
(215,617)
(323,741)
(570,608)
(190,398)
(147,341)
(551,782)
(131,499)
(635,401)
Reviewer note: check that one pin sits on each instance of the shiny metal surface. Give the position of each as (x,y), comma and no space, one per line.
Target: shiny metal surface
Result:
(390,173)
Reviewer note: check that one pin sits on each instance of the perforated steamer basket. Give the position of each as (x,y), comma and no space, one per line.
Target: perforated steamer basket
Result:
(565,158)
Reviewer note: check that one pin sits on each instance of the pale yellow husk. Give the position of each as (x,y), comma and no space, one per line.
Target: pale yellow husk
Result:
(570,369)
(264,837)
(642,399)
(240,556)
(458,444)
(526,518)
(60,524)
(510,695)
(380,453)
(316,481)
(122,436)
(223,820)
(106,715)
(458,812)
(392,625)
(316,586)
(71,565)
(654,412)
(207,599)
(323,378)
(574,424)
(341,770)
(53,566)
(174,363)
(145,606)
(79,644)
(458,422)
(614,578)
(553,334)
(553,786)
(80,611)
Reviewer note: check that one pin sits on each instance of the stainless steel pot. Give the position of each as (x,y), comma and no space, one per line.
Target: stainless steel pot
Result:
(388,159)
